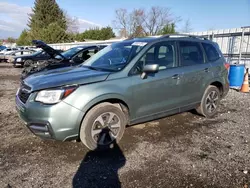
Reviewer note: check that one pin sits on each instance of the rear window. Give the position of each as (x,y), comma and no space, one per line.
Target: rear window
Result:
(211,52)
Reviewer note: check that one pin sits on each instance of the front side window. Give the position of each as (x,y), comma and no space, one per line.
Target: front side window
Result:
(190,53)
(162,53)
(84,55)
(211,52)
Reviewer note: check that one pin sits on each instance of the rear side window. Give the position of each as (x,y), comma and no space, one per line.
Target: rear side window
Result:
(211,52)
(190,53)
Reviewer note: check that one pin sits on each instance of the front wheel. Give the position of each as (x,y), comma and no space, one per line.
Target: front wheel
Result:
(102,126)
(28,63)
(210,102)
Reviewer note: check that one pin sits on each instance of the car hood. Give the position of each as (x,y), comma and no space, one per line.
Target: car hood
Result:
(51,51)
(64,76)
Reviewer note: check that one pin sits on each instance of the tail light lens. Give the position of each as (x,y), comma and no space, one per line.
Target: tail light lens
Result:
(227,66)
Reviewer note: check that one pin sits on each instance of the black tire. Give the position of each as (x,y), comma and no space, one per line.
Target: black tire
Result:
(14,65)
(90,122)
(27,63)
(208,108)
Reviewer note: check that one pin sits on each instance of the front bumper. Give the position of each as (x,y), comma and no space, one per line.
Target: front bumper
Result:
(17,63)
(59,122)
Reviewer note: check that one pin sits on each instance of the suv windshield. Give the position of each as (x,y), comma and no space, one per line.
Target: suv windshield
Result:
(116,56)
(69,53)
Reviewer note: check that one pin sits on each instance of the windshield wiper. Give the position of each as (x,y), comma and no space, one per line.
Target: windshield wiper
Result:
(99,68)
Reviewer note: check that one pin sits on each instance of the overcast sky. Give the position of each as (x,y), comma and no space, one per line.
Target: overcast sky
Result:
(203,14)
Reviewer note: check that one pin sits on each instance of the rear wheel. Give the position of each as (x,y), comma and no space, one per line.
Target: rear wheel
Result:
(102,126)
(210,102)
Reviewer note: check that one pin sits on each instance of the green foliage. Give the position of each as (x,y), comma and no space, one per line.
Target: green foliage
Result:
(47,22)
(11,40)
(24,39)
(54,34)
(168,29)
(104,33)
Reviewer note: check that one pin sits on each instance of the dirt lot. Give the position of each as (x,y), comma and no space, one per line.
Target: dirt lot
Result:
(184,150)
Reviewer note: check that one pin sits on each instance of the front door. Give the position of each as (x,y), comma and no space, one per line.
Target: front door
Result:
(158,92)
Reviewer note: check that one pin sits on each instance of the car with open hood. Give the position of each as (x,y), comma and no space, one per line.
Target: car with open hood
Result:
(72,57)
(11,56)
(28,59)
(126,83)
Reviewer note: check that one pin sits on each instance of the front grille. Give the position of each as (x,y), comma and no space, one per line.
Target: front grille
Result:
(24,86)
(24,93)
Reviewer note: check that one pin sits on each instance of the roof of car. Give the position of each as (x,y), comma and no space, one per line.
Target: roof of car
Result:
(88,46)
(141,39)
(169,36)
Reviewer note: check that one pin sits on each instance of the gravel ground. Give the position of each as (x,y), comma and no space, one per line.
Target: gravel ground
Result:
(183,150)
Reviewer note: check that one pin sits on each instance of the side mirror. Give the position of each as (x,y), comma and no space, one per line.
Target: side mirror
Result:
(153,68)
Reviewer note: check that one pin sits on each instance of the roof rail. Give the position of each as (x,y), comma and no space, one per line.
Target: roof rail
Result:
(184,35)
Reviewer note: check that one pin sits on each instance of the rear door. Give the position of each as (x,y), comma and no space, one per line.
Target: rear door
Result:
(196,72)
(215,58)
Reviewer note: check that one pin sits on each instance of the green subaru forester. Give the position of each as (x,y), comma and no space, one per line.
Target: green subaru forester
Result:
(129,82)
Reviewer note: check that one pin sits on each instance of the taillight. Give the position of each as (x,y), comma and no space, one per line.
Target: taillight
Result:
(227,65)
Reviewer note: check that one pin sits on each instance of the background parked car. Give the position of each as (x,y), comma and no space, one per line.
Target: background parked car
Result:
(2,48)
(5,52)
(31,58)
(71,57)
(10,57)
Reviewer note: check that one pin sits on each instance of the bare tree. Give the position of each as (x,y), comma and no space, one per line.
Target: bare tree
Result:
(140,22)
(72,23)
(157,18)
(136,22)
(121,21)
(187,27)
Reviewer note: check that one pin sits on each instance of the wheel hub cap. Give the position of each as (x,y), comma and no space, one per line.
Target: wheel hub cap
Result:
(105,128)
(212,101)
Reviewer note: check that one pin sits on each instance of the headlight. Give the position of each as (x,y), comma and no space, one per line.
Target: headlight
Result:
(18,59)
(53,96)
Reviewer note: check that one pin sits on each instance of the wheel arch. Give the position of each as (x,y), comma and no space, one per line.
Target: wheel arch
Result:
(113,99)
(219,85)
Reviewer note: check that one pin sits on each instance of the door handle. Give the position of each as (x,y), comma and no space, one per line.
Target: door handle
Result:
(206,70)
(176,76)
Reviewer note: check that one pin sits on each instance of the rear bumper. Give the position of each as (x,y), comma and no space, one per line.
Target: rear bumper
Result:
(58,122)
(225,90)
